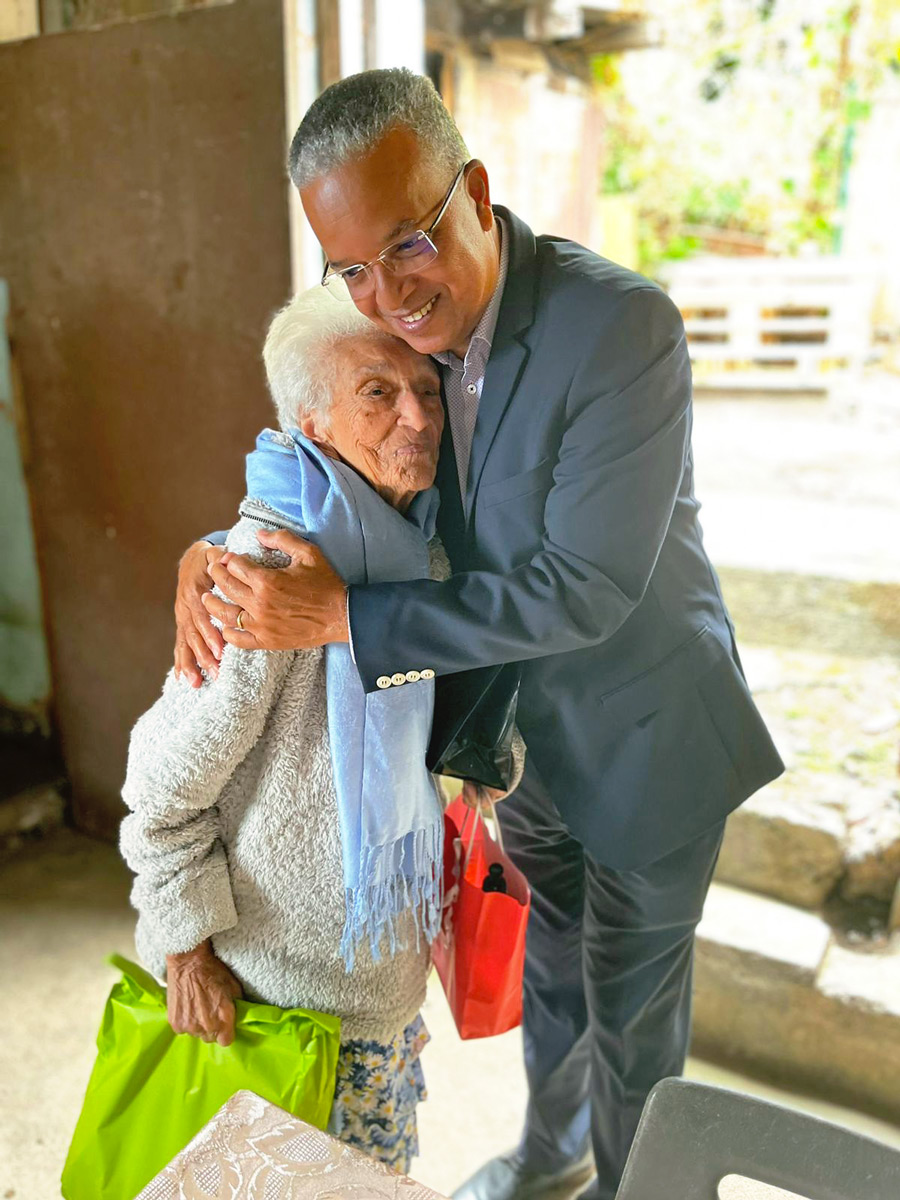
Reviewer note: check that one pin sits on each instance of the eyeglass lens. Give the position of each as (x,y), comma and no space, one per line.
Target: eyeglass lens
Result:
(402,258)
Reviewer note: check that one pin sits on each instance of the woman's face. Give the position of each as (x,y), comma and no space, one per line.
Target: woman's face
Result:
(386,416)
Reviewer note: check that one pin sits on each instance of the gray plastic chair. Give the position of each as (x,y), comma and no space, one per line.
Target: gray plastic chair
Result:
(691,1136)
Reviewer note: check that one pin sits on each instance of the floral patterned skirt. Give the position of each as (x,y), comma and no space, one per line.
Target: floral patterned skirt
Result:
(378,1088)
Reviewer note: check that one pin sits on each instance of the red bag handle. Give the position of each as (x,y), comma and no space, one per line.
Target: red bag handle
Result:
(478,815)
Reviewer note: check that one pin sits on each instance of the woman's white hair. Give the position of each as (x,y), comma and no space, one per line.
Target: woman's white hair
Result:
(299,352)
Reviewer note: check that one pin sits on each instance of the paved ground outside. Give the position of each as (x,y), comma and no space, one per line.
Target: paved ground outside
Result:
(800,483)
(63,907)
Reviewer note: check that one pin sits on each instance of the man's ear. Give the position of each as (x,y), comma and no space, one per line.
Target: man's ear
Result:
(479,188)
(313,427)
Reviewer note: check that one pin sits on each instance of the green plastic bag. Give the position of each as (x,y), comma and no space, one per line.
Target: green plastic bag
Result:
(152,1090)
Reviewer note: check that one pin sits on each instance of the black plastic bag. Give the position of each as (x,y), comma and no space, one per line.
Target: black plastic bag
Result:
(474,722)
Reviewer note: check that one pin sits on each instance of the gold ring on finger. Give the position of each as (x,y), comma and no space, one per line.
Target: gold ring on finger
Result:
(240,620)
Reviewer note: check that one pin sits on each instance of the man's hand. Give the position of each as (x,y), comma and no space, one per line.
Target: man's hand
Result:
(197,641)
(297,607)
(200,995)
(481,797)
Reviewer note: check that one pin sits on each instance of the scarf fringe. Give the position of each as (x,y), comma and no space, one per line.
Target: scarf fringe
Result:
(416,887)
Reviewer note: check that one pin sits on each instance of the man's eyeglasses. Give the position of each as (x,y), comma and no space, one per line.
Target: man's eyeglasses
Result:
(410,253)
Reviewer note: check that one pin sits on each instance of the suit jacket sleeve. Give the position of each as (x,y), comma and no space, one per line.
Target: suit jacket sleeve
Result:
(619,465)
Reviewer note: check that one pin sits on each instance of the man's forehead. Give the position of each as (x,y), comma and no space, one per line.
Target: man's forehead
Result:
(353,215)
(368,202)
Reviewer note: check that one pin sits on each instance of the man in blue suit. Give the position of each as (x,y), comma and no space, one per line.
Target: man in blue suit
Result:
(569,516)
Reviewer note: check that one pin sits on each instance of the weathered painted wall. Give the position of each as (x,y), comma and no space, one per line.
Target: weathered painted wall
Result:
(24,669)
(541,140)
(60,15)
(143,209)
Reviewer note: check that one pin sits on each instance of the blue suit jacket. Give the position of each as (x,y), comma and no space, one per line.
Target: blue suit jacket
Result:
(578,549)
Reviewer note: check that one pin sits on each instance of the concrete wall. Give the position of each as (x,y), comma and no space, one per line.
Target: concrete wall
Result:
(143,205)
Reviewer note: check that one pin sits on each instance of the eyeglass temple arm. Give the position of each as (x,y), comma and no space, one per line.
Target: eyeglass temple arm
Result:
(448,197)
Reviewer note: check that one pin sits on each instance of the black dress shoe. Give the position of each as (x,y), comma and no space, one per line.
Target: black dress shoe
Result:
(505,1178)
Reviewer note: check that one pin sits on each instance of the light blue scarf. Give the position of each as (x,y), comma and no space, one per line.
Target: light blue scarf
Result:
(390,815)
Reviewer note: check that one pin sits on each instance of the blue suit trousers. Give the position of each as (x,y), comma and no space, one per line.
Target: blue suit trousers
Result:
(607,997)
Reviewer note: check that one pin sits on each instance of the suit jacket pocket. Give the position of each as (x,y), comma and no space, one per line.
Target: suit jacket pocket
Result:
(662,682)
(516,486)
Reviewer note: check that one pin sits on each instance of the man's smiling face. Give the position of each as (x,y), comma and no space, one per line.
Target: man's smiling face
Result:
(359,209)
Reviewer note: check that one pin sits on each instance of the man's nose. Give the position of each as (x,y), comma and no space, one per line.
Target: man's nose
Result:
(391,291)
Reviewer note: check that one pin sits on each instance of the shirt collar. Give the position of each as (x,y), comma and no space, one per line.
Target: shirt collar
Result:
(479,348)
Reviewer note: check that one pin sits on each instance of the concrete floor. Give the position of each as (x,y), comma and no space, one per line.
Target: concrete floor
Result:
(802,484)
(64,906)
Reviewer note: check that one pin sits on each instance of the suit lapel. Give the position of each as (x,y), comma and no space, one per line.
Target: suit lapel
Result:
(509,349)
(451,522)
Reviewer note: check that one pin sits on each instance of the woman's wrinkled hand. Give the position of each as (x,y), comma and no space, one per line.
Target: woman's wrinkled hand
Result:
(481,797)
(201,992)
(198,644)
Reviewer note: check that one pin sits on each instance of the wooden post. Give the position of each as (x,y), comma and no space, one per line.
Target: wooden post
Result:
(448,80)
(370,29)
(328,30)
(302,87)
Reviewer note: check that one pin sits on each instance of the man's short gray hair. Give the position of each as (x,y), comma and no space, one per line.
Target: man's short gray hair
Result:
(299,352)
(352,116)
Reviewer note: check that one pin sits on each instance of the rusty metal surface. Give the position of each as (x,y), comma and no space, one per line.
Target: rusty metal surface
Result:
(144,235)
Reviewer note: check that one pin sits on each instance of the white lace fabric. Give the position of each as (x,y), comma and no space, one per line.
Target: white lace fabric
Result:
(252,1150)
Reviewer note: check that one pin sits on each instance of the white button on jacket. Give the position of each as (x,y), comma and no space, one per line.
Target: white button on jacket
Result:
(427,673)
(397,679)
(383,681)
(413,676)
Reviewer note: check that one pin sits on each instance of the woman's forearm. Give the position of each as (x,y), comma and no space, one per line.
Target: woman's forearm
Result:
(182,886)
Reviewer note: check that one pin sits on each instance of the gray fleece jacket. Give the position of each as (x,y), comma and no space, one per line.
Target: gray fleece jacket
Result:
(233,835)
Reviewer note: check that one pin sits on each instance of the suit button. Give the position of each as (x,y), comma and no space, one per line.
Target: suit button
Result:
(427,673)
(413,676)
(383,681)
(397,679)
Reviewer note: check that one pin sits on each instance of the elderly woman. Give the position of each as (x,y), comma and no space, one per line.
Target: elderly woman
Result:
(285,833)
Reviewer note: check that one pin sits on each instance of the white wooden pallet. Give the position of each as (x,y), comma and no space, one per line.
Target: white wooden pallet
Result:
(775,323)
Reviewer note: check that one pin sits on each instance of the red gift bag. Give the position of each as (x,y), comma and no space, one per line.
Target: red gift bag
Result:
(480,951)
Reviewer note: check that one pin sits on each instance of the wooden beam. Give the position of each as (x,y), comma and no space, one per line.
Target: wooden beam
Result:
(615,37)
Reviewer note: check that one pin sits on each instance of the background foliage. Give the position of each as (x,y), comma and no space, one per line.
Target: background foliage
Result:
(737,133)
